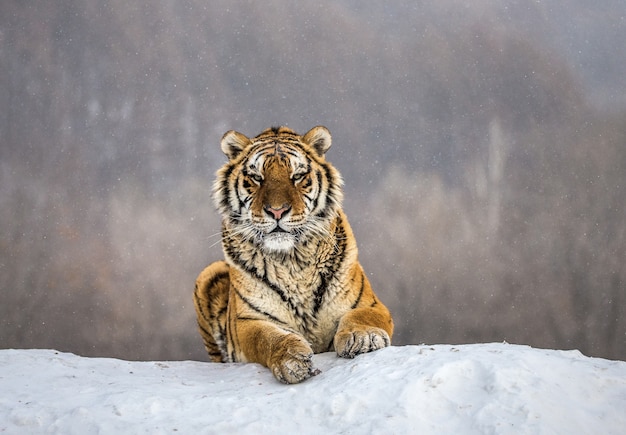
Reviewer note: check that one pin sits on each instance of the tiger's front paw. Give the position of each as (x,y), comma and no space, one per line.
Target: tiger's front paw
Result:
(349,344)
(292,362)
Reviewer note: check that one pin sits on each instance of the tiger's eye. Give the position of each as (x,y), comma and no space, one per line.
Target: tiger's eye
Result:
(298,177)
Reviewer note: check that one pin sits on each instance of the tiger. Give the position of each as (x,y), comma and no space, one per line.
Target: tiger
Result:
(290,284)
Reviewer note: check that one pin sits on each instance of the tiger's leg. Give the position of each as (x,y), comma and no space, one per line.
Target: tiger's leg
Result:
(211,302)
(287,354)
(365,328)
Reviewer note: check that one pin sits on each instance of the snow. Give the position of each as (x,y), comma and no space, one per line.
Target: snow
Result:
(480,388)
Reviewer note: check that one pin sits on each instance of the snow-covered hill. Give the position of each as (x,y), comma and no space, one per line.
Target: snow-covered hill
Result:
(482,388)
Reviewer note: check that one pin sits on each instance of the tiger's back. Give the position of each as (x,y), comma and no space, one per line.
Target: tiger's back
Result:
(291,284)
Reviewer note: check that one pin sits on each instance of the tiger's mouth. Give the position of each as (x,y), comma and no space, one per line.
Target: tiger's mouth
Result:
(279,240)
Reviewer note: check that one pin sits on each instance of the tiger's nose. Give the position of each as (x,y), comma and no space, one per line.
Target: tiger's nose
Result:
(277,213)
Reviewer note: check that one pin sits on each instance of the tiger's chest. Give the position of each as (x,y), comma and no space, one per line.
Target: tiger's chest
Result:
(306,300)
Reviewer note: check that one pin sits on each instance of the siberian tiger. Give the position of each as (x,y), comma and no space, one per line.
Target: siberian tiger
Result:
(291,285)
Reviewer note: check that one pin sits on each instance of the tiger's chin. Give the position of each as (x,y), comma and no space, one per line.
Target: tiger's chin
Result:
(279,242)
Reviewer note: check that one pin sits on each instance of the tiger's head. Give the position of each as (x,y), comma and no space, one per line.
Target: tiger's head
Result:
(277,190)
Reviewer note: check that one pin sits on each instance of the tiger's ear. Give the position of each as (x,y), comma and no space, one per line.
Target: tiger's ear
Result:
(319,139)
(233,143)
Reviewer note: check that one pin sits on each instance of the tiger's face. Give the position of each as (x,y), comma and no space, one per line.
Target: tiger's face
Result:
(277,190)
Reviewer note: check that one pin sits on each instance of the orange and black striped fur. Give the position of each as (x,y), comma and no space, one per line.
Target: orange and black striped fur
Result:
(291,284)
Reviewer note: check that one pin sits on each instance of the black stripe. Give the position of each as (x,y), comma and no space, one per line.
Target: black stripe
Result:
(291,150)
(333,185)
(217,277)
(308,183)
(279,291)
(254,319)
(318,175)
(204,330)
(257,309)
(319,292)
(222,311)
(331,344)
(358,299)
(232,253)
(224,187)
(248,318)
(201,307)
(332,269)
(259,151)
(242,205)
(234,344)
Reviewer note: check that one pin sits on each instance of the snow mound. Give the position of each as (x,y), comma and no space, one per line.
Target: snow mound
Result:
(482,388)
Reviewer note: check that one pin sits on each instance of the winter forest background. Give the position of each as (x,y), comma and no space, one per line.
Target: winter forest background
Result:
(483,146)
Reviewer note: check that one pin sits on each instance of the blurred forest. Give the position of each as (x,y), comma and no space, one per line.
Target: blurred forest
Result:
(483,145)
